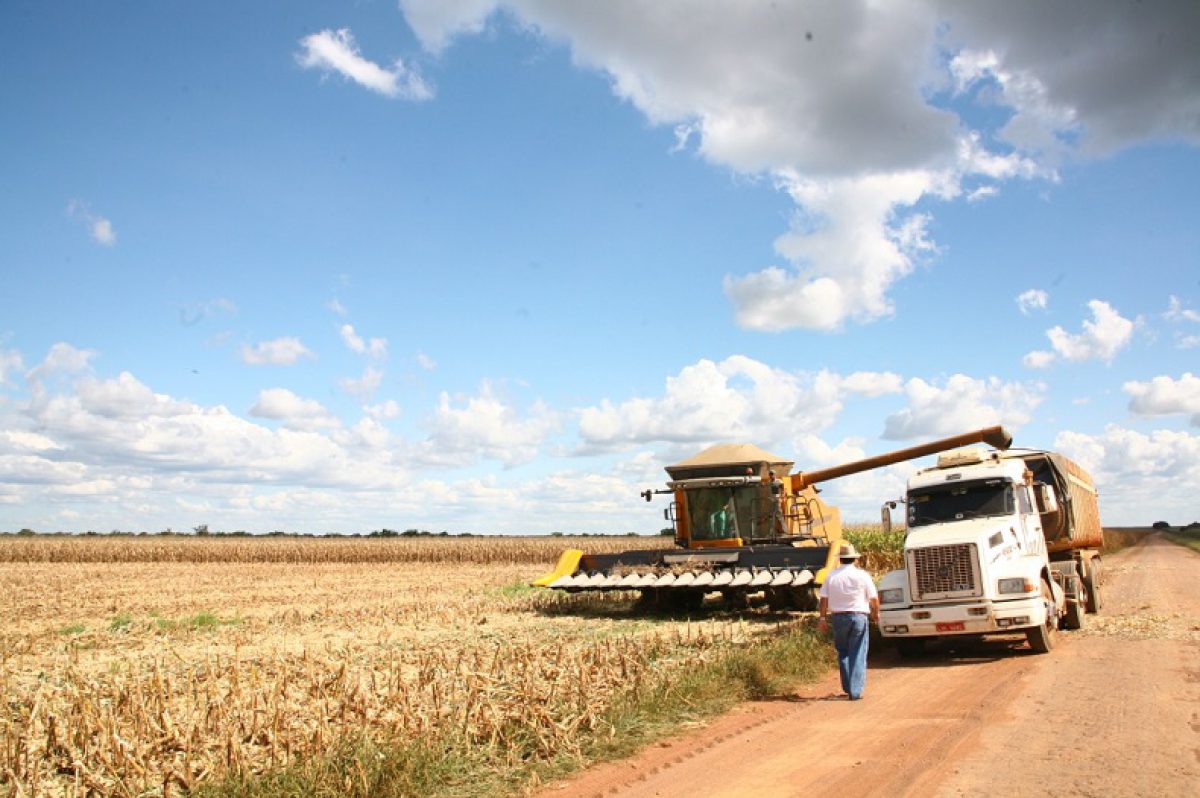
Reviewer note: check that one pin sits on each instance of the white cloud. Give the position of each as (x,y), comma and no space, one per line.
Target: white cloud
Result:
(365,386)
(21,441)
(278,352)
(99,228)
(376,347)
(1165,396)
(62,359)
(736,399)
(294,411)
(383,411)
(1031,300)
(847,250)
(962,404)
(336,51)
(1177,313)
(1102,338)
(10,361)
(1142,478)
(337,307)
(435,22)
(854,108)
(426,362)
(485,426)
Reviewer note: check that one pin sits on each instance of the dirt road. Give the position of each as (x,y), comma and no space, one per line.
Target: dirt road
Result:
(1114,710)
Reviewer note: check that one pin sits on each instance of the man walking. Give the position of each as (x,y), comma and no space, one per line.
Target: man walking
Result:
(849,595)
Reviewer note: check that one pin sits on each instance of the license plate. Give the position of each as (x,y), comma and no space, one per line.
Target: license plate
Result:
(951,626)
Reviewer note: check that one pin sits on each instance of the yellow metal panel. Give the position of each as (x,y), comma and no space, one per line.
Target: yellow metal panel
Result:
(568,563)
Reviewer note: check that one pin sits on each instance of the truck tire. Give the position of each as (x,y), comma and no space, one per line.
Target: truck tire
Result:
(1092,583)
(1041,638)
(1076,607)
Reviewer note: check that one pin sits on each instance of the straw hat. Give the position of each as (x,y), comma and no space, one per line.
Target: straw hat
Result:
(848,552)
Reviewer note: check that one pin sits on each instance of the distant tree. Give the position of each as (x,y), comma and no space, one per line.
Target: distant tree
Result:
(1161,525)
(201,530)
(667,532)
(26,532)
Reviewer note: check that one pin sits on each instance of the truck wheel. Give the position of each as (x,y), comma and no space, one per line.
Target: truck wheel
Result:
(1092,583)
(1076,607)
(910,647)
(1041,638)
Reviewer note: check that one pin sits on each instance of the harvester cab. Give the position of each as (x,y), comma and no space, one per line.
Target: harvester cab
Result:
(744,525)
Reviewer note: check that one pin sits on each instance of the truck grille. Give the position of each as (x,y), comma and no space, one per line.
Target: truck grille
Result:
(944,571)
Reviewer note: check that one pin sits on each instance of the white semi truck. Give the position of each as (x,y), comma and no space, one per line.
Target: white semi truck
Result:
(998,541)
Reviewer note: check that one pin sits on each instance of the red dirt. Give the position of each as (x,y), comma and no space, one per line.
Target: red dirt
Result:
(1114,709)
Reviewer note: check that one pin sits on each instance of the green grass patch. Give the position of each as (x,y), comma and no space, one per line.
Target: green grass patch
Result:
(73,629)
(120,623)
(444,764)
(517,590)
(1184,537)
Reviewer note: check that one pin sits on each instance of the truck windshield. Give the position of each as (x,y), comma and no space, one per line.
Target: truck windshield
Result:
(721,513)
(959,500)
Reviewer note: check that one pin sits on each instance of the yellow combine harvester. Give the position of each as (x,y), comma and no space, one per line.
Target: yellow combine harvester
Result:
(744,525)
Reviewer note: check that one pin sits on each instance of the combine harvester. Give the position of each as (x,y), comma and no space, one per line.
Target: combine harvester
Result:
(744,526)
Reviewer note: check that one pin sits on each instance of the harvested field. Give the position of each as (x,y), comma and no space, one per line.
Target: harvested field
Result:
(150,666)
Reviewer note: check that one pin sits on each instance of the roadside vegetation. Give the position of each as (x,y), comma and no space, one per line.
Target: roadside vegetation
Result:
(1185,536)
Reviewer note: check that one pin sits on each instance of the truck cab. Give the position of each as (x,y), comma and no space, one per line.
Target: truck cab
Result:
(976,560)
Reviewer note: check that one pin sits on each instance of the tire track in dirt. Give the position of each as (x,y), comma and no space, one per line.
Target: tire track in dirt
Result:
(1113,710)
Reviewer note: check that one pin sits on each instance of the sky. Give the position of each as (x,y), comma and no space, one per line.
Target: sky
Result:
(488,267)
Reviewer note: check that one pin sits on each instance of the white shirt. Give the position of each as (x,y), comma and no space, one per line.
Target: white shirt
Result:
(849,589)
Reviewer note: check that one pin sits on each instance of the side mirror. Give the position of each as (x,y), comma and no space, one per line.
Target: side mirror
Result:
(885,515)
(647,494)
(1047,499)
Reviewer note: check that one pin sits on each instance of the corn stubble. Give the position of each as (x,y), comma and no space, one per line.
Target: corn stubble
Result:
(141,711)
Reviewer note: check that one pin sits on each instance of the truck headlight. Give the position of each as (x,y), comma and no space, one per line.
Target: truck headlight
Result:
(1018,584)
(893,595)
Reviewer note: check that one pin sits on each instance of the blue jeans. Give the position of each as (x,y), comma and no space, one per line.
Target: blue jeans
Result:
(850,638)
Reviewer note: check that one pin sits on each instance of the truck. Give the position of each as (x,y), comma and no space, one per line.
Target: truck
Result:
(997,541)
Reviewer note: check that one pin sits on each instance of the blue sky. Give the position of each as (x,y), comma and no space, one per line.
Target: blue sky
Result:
(488,267)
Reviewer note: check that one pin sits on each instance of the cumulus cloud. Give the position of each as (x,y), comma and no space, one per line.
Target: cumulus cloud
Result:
(1166,396)
(426,362)
(850,101)
(962,403)
(376,347)
(98,227)
(1102,338)
(364,387)
(336,51)
(62,359)
(278,352)
(294,411)
(1139,474)
(10,361)
(1031,300)
(484,425)
(738,398)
